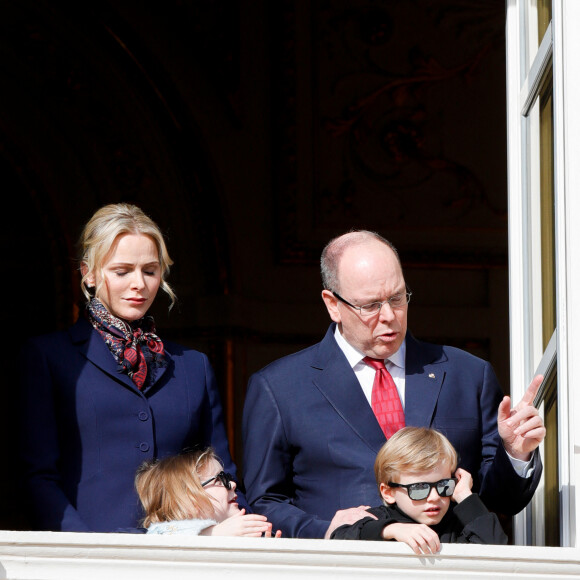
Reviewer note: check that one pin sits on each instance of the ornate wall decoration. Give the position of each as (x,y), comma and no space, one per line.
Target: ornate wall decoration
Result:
(390,117)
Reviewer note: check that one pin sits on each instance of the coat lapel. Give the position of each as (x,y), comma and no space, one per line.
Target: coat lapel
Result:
(338,384)
(424,376)
(93,348)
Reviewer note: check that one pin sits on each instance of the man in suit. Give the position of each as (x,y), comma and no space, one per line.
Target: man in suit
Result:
(310,434)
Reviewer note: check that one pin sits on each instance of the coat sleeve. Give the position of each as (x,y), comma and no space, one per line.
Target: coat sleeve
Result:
(49,507)
(268,465)
(479,526)
(501,488)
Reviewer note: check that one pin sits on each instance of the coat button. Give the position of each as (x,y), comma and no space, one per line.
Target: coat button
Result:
(144,447)
(143,416)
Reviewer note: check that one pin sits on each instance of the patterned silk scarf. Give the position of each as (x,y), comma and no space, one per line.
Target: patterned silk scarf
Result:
(134,346)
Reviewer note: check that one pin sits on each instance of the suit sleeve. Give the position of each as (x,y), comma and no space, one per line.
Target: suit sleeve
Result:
(50,508)
(215,432)
(501,489)
(268,465)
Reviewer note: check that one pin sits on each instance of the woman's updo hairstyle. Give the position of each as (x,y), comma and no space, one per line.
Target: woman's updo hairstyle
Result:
(100,233)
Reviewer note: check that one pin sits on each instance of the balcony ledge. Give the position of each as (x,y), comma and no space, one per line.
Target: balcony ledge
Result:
(64,556)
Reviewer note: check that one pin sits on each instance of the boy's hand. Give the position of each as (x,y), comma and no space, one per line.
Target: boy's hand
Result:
(421,538)
(463,485)
(242,524)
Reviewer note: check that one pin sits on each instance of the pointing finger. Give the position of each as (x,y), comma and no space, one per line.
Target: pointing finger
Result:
(532,391)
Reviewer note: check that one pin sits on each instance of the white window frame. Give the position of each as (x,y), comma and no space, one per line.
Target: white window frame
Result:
(559,50)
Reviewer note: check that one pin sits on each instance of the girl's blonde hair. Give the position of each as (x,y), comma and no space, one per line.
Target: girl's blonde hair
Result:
(101,231)
(170,488)
(413,449)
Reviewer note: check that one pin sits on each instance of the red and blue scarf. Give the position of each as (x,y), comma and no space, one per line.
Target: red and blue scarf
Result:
(135,346)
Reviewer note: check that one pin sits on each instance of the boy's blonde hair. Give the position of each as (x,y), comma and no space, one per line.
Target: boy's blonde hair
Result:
(170,488)
(413,449)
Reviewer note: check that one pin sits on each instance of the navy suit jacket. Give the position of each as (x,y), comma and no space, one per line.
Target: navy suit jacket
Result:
(311,438)
(86,427)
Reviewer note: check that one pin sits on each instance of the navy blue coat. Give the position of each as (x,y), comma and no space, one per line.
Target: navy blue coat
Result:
(311,438)
(86,427)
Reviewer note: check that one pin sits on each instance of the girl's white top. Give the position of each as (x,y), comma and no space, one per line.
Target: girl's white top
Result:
(194,527)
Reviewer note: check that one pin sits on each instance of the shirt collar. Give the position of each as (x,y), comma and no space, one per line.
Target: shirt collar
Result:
(354,356)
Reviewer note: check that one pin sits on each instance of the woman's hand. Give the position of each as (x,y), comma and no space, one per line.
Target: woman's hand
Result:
(463,485)
(420,537)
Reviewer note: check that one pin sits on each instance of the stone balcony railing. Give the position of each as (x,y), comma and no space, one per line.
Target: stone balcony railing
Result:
(70,556)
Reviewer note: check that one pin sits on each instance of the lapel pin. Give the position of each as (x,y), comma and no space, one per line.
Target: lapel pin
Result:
(431,376)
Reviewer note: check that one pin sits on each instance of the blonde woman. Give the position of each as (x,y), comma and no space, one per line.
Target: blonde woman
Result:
(108,393)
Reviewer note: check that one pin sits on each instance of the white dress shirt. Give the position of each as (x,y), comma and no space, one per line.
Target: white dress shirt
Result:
(366,374)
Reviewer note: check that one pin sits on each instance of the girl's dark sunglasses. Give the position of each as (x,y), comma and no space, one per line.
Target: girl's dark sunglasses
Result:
(421,490)
(224,478)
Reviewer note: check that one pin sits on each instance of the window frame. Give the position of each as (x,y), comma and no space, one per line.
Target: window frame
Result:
(527,71)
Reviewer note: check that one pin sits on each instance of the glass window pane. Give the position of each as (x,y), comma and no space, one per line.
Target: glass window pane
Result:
(544,17)
(552,486)
(547,215)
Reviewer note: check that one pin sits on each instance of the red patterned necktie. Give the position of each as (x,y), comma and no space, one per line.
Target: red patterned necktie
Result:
(385,399)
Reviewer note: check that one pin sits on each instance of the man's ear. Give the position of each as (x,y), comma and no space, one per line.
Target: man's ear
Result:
(90,281)
(331,303)
(387,493)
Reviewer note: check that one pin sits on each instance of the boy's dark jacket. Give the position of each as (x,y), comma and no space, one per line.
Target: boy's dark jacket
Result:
(468,522)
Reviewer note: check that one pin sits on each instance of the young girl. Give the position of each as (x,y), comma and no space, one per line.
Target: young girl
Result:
(191,494)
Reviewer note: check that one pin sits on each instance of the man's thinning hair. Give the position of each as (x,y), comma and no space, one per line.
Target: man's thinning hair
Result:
(334,250)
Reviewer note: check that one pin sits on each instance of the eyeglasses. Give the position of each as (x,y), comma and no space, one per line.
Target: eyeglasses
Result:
(224,478)
(395,302)
(418,491)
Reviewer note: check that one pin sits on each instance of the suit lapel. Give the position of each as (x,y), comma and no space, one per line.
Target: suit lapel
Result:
(93,348)
(424,375)
(339,385)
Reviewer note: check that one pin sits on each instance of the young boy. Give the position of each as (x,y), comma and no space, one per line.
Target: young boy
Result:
(417,475)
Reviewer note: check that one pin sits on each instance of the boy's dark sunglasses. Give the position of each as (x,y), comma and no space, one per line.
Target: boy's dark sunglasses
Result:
(421,490)
(225,479)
